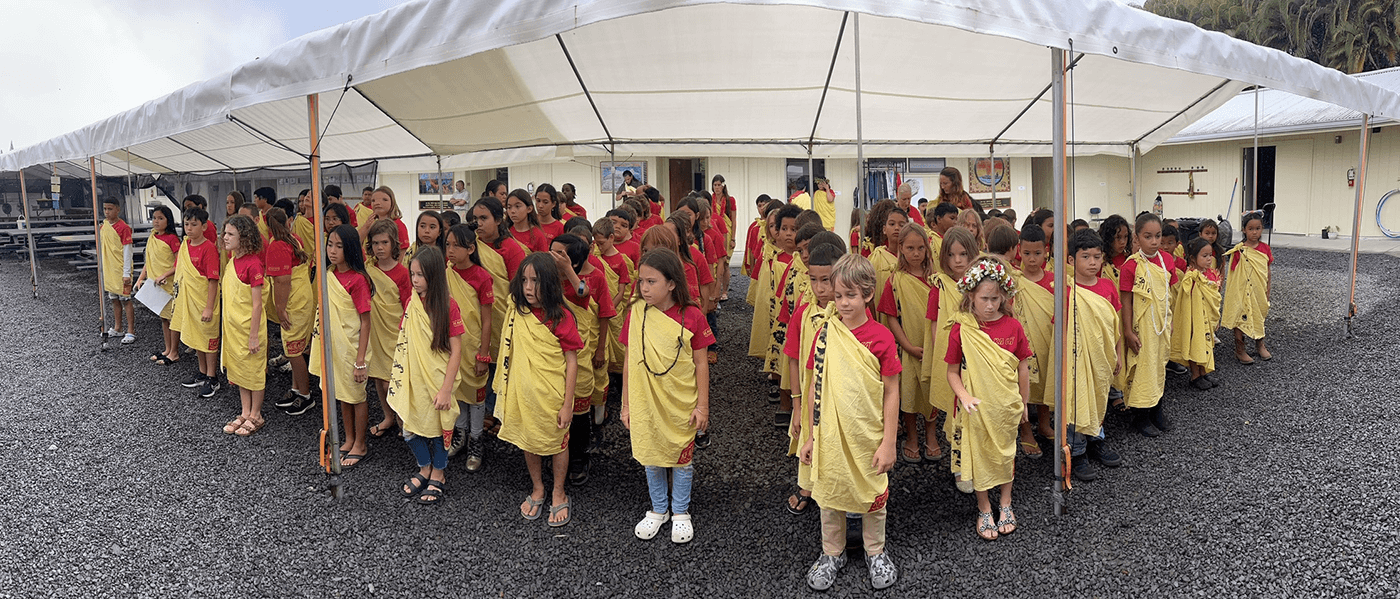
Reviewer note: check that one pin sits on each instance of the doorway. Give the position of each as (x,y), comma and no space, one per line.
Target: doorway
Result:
(686,175)
(1258,199)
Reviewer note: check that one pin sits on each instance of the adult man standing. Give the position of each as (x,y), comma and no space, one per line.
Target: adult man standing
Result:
(903,195)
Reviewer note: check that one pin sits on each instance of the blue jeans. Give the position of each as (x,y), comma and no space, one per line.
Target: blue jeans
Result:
(490,388)
(681,479)
(713,320)
(427,451)
(1079,443)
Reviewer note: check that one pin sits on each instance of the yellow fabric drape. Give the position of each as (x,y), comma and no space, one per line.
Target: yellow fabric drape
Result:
(608,338)
(418,374)
(1110,272)
(1146,368)
(885,264)
(813,316)
(848,421)
(1093,326)
(911,301)
(343,341)
(660,406)
(987,451)
(191,297)
(826,208)
(936,347)
(494,264)
(248,371)
(530,385)
(797,288)
(385,314)
(305,230)
(617,353)
(759,331)
(362,212)
(1194,318)
(1247,291)
(159,259)
(587,319)
(301,310)
(112,260)
(773,359)
(1035,309)
(471,387)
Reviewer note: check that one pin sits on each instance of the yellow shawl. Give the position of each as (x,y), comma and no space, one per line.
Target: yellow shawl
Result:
(112,260)
(773,358)
(911,302)
(885,264)
(191,297)
(796,289)
(1035,309)
(1247,292)
(587,319)
(1194,318)
(248,371)
(418,374)
(385,314)
(760,331)
(471,387)
(811,318)
(986,454)
(848,422)
(608,338)
(1092,325)
(531,399)
(936,347)
(617,353)
(494,264)
(159,259)
(343,341)
(301,309)
(1152,322)
(659,406)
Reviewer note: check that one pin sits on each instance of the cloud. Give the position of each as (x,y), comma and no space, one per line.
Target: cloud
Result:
(69,63)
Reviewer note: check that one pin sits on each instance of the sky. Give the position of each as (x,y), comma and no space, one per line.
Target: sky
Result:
(69,63)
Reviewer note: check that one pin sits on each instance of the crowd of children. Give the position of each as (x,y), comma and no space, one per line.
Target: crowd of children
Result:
(519,322)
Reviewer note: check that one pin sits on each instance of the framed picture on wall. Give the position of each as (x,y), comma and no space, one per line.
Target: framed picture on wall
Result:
(434,183)
(614,175)
(986,172)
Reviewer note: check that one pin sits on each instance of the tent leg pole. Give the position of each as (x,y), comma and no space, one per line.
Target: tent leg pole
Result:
(29,229)
(330,425)
(97,243)
(1134,167)
(811,175)
(1057,77)
(439,175)
(860,138)
(1356,217)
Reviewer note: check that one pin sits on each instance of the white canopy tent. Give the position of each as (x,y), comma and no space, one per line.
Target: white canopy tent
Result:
(479,83)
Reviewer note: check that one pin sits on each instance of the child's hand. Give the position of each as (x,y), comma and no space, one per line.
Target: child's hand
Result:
(361,374)
(626,417)
(566,415)
(1025,413)
(700,419)
(253,345)
(480,368)
(884,458)
(917,352)
(600,358)
(1131,341)
(442,400)
(969,403)
(796,428)
(161,280)
(137,285)
(284,319)
(1117,366)
(805,454)
(207,315)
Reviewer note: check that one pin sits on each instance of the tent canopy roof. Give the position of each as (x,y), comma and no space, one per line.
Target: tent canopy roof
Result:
(482,83)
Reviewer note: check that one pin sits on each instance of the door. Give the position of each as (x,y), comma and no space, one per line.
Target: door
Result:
(1263,198)
(682,180)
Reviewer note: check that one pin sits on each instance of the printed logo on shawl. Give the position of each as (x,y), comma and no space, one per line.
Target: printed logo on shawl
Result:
(581,404)
(686,454)
(213,345)
(819,373)
(296,348)
(565,444)
(447,438)
(879,503)
(481,394)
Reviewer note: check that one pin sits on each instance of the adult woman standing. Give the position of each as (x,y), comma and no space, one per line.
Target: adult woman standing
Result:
(950,189)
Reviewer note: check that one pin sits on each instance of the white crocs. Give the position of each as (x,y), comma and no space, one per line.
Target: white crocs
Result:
(646,529)
(682,531)
(128,339)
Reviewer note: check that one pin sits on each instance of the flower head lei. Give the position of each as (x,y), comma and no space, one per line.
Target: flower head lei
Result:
(987,269)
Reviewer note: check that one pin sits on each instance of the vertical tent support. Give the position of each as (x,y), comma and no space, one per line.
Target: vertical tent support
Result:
(992,169)
(860,137)
(1134,166)
(1057,78)
(439,176)
(97,243)
(330,427)
(1356,216)
(1254,162)
(811,176)
(29,229)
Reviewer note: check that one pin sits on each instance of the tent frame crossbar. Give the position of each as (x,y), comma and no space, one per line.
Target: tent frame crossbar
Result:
(586,93)
(831,69)
(1031,104)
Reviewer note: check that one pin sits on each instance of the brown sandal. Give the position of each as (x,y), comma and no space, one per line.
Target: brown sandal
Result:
(233,425)
(250,426)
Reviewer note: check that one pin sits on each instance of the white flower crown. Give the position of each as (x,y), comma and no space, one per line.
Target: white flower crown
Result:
(984,269)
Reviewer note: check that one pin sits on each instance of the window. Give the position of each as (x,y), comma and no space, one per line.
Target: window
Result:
(798,177)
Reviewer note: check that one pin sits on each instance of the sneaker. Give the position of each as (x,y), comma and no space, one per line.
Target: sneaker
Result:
(474,454)
(964,486)
(303,405)
(285,367)
(1098,450)
(459,440)
(210,388)
(823,573)
(288,400)
(1201,383)
(578,473)
(196,380)
(128,339)
(1080,469)
(650,525)
(1143,425)
(1174,368)
(782,420)
(702,440)
(682,530)
(1157,416)
(883,574)
(600,415)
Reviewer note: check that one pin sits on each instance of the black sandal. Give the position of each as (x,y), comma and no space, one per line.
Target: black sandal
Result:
(415,485)
(164,361)
(379,432)
(802,502)
(433,494)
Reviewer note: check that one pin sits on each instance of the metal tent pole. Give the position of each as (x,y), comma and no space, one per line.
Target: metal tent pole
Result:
(1356,216)
(439,181)
(860,139)
(1134,166)
(1254,161)
(97,243)
(1057,78)
(330,426)
(811,176)
(29,229)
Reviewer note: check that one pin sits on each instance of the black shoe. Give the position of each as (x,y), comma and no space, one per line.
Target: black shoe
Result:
(1159,418)
(1174,368)
(1098,450)
(1202,383)
(1212,382)
(782,419)
(195,381)
(475,452)
(773,392)
(578,473)
(211,387)
(302,406)
(459,440)
(1080,469)
(702,440)
(1142,425)
(288,400)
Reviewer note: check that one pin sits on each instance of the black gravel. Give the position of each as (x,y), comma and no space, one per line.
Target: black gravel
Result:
(1279,483)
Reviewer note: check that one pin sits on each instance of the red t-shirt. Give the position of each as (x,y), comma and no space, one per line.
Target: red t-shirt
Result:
(647,223)
(656,210)
(632,250)
(915,215)
(454,316)
(249,269)
(205,259)
(171,240)
(1104,288)
(404,241)
(513,252)
(553,229)
(1127,273)
(597,282)
(1180,265)
(703,266)
(1263,247)
(618,263)
(1006,332)
(714,246)
(211,232)
(717,212)
(123,231)
(753,249)
(876,338)
(565,330)
(931,312)
(534,239)
(480,280)
(1118,261)
(279,259)
(888,305)
(1047,281)
(701,336)
(793,341)
(403,280)
(358,287)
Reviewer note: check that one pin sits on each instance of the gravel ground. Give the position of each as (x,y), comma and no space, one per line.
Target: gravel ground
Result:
(1275,484)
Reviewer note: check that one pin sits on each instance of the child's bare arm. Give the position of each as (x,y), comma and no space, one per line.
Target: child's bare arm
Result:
(361,372)
(566,412)
(968,402)
(1023,376)
(257,320)
(701,416)
(626,415)
(1129,337)
(903,339)
(600,354)
(211,298)
(484,310)
(884,456)
(443,399)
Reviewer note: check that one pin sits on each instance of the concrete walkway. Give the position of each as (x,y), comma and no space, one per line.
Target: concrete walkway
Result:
(1369,245)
